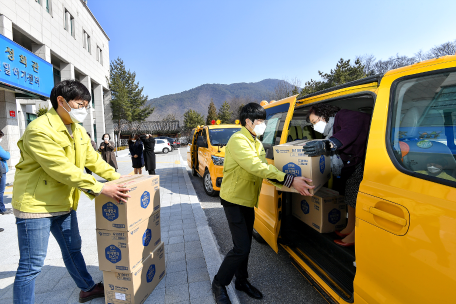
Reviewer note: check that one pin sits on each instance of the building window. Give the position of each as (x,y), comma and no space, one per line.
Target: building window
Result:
(38,1)
(99,55)
(57,77)
(93,100)
(69,22)
(48,6)
(94,135)
(30,117)
(86,39)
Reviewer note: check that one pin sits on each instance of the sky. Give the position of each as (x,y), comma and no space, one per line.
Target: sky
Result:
(175,46)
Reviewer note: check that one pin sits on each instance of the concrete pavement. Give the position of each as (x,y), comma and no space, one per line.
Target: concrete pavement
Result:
(192,255)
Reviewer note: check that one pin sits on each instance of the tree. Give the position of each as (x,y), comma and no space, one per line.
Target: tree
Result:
(192,119)
(169,117)
(236,104)
(286,88)
(127,99)
(343,73)
(225,113)
(211,113)
(41,111)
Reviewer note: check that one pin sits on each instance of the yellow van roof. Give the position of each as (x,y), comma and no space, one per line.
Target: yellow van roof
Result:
(227,126)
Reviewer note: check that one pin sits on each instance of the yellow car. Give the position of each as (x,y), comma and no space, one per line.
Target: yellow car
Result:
(206,154)
(405,250)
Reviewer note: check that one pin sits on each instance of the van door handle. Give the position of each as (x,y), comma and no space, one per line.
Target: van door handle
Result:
(388,216)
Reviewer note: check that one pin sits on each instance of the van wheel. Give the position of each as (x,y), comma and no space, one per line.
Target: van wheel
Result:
(207,183)
(258,237)
(165,150)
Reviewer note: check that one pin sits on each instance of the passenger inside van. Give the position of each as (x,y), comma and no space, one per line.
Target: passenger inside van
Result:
(346,134)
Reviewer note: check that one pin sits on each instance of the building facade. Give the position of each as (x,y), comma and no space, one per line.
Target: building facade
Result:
(68,37)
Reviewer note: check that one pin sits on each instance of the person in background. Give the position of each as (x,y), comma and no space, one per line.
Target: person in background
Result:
(47,186)
(94,146)
(4,156)
(243,173)
(107,149)
(136,150)
(346,135)
(149,153)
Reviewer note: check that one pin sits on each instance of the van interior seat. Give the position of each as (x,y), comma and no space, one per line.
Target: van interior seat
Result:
(292,136)
(299,132)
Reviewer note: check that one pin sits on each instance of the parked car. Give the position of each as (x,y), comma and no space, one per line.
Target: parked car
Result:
(172,141)
(206,154)
(405,212)
(162,145)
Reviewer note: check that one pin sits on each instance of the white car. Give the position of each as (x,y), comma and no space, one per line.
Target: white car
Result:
(162,145)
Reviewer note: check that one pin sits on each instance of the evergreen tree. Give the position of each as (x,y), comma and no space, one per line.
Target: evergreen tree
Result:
(169,117)
(211,113)
(225,113)
(41,111)
(192,119)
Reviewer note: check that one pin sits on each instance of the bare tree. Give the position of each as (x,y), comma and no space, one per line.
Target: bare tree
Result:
(286,88)
(447,48)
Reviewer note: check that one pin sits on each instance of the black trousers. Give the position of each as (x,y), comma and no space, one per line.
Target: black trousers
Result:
(151,172)
(240,220)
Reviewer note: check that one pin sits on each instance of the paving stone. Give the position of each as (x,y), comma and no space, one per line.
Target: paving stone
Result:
(176,233)
(191,238)
(196,263)
(176,266)
(175,226)
(176,278)
(193,245)
(175,247)
(194,254)
(200,289)
(176,256)
(176,294)
(176,239)
(197,275)
(157,296)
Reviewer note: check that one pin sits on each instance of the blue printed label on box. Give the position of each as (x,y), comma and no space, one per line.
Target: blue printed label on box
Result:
(110,211)
(305,207)
(150,273)
(113,254)
(147,236)
(145,199)
(334,216)
(322,164)
(292,168)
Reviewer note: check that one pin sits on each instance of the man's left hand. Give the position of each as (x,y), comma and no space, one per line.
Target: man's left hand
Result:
(316,147)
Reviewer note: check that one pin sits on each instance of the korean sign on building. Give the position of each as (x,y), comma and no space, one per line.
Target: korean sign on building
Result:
(23,70)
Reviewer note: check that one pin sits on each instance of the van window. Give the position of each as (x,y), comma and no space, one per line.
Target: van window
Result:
(422,133)
(275,119)
(220,137)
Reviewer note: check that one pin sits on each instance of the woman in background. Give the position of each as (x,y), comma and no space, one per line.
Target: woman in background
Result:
(107,149)
(149,154)
(136,151)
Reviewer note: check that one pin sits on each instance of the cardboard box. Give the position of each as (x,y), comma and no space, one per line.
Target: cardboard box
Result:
(290,158)
(123,251)
(145,199)
(324,212)
(135,288)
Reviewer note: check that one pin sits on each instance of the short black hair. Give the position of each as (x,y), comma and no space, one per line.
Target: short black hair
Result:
(323,110)
(70,90)
(102,138)
(252,111)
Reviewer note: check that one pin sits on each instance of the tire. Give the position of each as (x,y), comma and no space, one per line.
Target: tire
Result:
(165,150)
(258,237)
(207,184)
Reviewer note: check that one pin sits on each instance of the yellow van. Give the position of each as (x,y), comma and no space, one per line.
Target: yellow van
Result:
(206,154)
(405,248)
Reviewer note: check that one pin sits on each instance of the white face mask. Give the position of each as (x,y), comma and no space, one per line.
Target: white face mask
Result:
(133,140)
(320,126)
(1,139)
(77,115)
(106,138)
(434,170)
(259,129)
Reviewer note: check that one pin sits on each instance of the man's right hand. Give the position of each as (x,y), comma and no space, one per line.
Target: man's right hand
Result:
(117,192)
(301,185)
(102,147)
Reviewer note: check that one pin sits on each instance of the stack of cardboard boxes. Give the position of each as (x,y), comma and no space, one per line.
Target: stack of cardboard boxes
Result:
(325,210)
(130,251)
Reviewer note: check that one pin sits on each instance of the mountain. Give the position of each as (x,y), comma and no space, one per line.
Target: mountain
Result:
(199,98)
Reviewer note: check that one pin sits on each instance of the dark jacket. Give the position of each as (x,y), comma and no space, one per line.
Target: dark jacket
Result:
(108,154)
(149,154)
(136,148)
(351,128)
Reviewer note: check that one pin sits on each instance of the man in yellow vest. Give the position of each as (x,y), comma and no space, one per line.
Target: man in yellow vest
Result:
(49,178)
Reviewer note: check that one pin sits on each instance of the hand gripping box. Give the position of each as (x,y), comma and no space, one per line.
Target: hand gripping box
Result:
(324,212)
(123,251)
(135,287)
(144,200)
(290,158)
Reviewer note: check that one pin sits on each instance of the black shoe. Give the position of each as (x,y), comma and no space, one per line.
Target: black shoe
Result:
(96,292)
(246,287)
(220,293)
(1,229)
(7,211)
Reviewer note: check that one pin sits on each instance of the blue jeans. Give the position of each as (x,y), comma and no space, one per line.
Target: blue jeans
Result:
(33,237)
(2,191)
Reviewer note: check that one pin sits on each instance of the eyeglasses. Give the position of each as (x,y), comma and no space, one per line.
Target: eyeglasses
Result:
(81,105)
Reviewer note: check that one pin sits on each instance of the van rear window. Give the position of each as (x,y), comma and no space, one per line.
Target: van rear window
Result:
(423,126)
